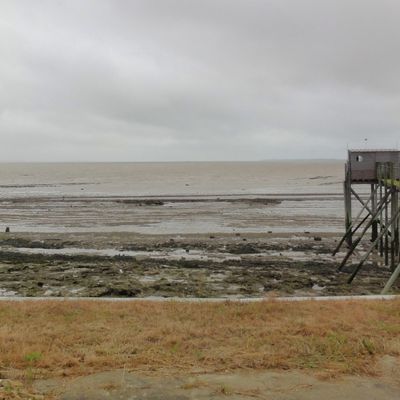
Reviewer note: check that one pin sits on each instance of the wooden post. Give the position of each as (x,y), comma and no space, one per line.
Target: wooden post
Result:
(383,216)
(363,203)
(392,280)
(353,231)
(397,228)
(386,240)
(374,233)
(381,213)
(347,205)
(384,232)
(381,205)
(393,228)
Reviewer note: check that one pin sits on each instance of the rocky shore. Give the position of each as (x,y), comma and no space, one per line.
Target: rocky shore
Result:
(218,265)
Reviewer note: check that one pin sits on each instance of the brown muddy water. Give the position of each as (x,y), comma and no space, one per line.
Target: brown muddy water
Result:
(175,229)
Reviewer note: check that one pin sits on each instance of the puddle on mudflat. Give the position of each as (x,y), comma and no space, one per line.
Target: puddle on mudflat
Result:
(7,293)
(317,287)
(176,254)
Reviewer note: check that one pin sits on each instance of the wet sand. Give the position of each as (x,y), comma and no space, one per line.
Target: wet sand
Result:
(174,214)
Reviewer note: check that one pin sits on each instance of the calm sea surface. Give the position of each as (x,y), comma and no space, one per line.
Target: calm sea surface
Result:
(158,179)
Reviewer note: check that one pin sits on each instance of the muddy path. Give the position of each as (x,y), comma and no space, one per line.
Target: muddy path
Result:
(130,265)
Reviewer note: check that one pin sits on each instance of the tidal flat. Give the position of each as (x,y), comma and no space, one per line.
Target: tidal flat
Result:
(166,266)
(164,230)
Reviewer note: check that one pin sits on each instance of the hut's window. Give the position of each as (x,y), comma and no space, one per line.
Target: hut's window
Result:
(359,158)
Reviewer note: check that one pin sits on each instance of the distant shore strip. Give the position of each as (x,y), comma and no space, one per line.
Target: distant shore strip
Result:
(205,300)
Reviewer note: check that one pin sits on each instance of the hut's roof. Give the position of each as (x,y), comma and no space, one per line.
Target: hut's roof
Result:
(373,150)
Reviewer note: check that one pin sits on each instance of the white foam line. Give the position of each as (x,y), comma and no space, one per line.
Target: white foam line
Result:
(203,300)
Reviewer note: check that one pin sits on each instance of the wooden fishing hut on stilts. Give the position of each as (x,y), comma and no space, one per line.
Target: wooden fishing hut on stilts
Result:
(379,215)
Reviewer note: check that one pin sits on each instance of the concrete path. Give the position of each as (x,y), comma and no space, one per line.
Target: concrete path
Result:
(205,299)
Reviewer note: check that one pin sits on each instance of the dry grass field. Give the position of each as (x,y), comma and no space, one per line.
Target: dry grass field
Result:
(55,339)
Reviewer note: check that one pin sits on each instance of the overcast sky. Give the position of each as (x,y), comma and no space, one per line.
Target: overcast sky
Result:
(152,80)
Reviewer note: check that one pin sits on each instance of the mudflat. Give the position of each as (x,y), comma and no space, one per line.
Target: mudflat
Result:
(213,265)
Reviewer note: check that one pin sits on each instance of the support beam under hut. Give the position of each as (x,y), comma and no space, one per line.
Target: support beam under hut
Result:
(372,178)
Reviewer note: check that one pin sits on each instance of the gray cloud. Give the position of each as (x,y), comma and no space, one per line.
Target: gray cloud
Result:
(197,80)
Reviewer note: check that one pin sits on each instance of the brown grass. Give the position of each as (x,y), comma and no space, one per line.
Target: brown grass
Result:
(45,339)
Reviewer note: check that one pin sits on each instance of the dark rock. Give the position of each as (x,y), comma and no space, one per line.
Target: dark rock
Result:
(144,202)
(122,289)
(247,248)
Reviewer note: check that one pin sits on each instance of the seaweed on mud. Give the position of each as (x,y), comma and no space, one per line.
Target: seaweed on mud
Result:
(100,276)
(184,263)
(162,201)
(144,202)
(119,288)
(170,245)
(11,256)
(242,248)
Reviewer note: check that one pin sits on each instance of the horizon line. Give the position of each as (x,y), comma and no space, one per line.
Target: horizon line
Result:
(167,161)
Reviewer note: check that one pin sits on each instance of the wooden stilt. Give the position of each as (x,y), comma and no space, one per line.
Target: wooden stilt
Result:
(347,206)
(386,210)
(363,203)
(352,231)
(384,232)
(381,217)
(391,280)
(354,245)
(393,207)
(374,233)
(397,229)
(383,214)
